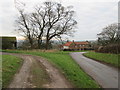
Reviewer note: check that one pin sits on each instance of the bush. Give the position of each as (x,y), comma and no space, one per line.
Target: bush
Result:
(112,48)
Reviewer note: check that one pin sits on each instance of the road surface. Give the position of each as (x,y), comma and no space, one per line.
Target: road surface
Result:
(21,79)
(105,75)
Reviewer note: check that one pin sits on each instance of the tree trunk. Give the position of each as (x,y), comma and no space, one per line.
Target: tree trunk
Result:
(39,43)
(47,44)
(31,43)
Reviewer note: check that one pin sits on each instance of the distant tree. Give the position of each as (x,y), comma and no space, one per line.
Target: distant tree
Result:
(25,45)
(109,39)
(109,35)
(118,34)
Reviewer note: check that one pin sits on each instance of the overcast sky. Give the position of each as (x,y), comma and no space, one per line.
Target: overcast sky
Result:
(91,15)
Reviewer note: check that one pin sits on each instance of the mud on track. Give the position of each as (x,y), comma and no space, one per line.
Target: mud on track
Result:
(21,79)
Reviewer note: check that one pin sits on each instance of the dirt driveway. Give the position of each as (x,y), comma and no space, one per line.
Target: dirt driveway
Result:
(105,75)
(21,79)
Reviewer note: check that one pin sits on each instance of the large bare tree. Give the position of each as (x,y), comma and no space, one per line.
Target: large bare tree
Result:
(47,21)
(39,22)
(59,20)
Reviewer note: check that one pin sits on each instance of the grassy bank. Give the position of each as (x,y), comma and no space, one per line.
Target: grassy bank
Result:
(104,57)
(67,65)
(10,65)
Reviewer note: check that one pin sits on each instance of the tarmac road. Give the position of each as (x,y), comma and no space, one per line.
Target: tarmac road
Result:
(106,76)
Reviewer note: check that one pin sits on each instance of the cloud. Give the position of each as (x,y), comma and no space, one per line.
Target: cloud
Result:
(92,16)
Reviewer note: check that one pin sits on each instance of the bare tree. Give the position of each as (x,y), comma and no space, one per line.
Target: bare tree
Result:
(118,34)
(23,22)
(109,34)
(59,20)
(25,26)
(50,20)
(38,18)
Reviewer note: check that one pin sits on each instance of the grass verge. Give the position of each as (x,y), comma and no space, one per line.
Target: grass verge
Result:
(0,71)
(111,59)
(10,65)
(67,65)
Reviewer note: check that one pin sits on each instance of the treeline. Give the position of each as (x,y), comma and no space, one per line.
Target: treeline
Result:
(46,22)
(25,45)
(109,40)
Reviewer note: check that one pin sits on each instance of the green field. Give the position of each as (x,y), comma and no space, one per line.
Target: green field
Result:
(104,57)
(67,65)
(10,65)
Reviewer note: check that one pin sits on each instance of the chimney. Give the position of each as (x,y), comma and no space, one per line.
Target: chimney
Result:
(67,40)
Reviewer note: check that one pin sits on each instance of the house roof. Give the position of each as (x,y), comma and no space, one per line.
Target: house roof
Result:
(81,42)
(69,43)
(8,38)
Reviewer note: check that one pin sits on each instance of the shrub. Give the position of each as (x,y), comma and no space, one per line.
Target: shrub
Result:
(111,48)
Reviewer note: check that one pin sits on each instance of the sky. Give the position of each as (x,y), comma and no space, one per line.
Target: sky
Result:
(91,15)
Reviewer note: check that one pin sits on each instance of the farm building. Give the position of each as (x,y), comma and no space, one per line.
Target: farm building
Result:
(76,45)
(8,42)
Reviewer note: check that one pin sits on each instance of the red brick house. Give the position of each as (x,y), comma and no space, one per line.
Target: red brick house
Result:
(76,45)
